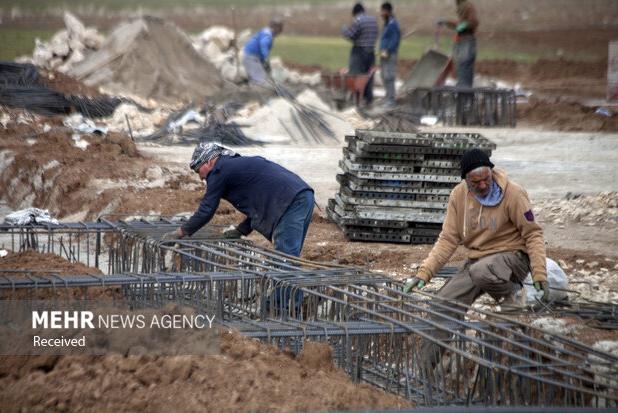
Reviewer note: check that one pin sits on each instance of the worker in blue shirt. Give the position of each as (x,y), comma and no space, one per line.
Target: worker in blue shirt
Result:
(257,50)
(389,46)
(276,202)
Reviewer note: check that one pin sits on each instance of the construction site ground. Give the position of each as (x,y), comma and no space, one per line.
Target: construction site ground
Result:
(561,151)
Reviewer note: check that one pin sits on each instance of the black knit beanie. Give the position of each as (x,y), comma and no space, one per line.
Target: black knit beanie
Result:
(472,159)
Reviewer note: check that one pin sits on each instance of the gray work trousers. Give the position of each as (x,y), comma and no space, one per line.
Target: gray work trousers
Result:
(388,70)
(464,55)
(255,69)
(498,275)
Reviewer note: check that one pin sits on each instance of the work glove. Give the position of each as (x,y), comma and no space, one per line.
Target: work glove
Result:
(231,233)
(266,65)
(461,26)
(542,285)
(413,282)
(172,235)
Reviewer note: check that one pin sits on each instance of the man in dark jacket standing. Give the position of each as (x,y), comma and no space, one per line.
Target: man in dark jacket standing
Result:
(278,204)
(363,32)
(389,45)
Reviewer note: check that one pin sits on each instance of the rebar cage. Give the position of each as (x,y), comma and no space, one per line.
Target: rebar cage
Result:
(430,350)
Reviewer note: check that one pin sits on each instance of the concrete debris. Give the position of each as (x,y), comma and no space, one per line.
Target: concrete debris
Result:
(141,123)
(282,74)
(597,364)
(553,325)
(590,210)
(189,117)
(216,44)
(30,216)
(78,123)
(79,142)
(177,71)
(66,47)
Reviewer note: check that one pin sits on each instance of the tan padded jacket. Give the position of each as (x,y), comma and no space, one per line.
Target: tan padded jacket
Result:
(508,226)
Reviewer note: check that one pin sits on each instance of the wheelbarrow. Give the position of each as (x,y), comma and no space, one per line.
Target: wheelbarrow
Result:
(346,87)
(431,70)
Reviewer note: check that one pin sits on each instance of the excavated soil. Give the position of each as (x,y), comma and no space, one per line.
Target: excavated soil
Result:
(42,264)
(247,376)
(66,84)
(109,177)
(564,116)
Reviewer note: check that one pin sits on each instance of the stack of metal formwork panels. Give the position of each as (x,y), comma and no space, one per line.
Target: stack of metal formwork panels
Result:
(395,186)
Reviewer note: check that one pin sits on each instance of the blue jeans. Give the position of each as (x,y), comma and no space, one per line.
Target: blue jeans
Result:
(388,68)
(291,230)
(289,237)
(464,54)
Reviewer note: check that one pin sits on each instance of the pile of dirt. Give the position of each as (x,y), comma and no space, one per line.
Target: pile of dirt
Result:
(592,210)
(247,376)
(41,165)
(63,83)
(176,71)
(37,263)
(44,262)
(564,115)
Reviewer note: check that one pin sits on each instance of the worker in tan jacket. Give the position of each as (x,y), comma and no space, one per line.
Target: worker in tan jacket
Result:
(491,216)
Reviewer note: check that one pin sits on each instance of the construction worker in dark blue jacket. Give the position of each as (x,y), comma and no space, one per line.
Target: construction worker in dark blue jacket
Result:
(277,203)
(389,46)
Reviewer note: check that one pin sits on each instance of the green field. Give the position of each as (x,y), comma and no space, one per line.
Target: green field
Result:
(332,52)
(18,42)
(329,52)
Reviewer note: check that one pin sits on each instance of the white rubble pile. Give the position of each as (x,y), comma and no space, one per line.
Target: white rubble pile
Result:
(142,123)
(66,47)
(605,372)
(282,74)
(590,210)
(30,216)
(554,325)
(277,120)
(595,280)
(218,45)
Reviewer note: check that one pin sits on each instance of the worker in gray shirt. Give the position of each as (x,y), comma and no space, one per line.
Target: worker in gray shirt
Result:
(363,32)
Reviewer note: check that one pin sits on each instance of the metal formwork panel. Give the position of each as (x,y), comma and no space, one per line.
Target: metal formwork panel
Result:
(398,177)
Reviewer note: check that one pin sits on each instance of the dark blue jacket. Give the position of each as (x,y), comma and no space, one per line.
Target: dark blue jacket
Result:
(257,187)
(391,36)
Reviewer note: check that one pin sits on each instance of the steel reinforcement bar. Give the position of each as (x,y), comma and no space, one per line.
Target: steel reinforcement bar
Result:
(431,350)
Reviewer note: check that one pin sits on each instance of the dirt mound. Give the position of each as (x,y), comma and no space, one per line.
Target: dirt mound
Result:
(36,261)
(564,116)
(40,165)
(40,263)
(247,376)
(66,84)
(150,58)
